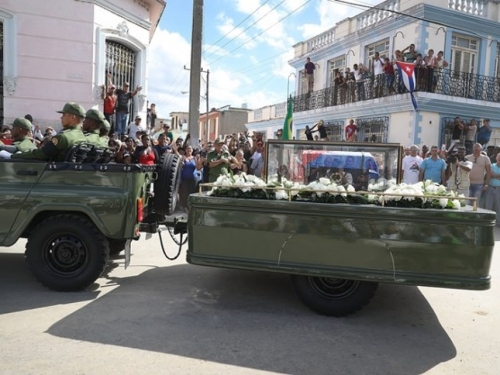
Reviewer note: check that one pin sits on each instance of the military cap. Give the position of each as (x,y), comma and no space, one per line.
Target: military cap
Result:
(22,123)
(218,141)
(106,125)
(74,109)
(95,114)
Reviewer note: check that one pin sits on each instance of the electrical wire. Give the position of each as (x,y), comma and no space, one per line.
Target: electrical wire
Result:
(249,40)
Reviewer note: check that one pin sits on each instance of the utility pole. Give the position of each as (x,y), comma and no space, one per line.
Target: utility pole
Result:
(207,122)
(194,86)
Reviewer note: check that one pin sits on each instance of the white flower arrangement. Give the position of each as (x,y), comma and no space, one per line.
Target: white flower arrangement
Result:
(426,194)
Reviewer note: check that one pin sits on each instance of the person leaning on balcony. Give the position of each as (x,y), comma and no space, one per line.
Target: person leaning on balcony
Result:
(378,73)
(470,135)
(411,55)
(309,68)
(433,168)
(358,71)
(481,172)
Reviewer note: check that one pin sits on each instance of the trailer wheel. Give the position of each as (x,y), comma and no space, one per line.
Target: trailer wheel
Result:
(333,297)
(67,252)
(167,185)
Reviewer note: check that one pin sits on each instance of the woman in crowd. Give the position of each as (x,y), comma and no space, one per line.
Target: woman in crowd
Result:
(188,180)
(238,164)
(146,154)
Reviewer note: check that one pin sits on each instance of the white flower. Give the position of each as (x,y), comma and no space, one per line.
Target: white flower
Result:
(250,177)
(341,189)
(372,198)
(443,202)
(259,182)
(281,195)
(441,189)
(288,184)
(456,204)
(351,189)
(431,189)
(324,181)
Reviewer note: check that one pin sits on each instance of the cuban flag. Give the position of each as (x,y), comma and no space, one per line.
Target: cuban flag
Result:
(407,74)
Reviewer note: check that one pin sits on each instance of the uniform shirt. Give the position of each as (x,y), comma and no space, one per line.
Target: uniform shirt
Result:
(216,171)
(57,149)
(24,144)
(93,138)
(478,171)
(103,141)
(433,168)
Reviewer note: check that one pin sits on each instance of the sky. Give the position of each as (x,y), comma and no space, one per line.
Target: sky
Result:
(246,46)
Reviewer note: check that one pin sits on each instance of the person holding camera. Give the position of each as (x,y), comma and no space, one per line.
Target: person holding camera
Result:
(457,172)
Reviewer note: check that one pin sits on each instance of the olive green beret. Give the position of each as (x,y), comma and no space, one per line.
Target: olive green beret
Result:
(22,123)
(74,109)
(95,114)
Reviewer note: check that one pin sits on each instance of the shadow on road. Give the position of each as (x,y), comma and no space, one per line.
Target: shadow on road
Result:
(253,320)
(19,291)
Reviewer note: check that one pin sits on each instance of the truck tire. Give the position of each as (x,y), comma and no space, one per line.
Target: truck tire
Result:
(67,253)
(167,185)
(116,246)
(333,297)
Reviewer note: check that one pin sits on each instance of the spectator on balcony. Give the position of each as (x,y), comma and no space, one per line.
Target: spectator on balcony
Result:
(351,87)
(420,72)
(439,65)
(398,56)
(389,75)
(308,132)
(123,97)
(484,133)
(309,71)
(360,82)
(323,135)
(378,73)
(340,87)
(481,172)
(470,135)
(430,63)
(411,55)
(433,168)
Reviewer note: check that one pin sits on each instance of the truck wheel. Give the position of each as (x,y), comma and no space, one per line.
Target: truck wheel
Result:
(67,253)
(116,246)
(333,297)
(167,184)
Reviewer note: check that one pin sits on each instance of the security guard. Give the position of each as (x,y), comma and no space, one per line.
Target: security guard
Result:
(56,150)
(103,135)
(20,130)
(92,126)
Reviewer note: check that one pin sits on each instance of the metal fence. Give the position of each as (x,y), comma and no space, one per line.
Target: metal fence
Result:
(439,81)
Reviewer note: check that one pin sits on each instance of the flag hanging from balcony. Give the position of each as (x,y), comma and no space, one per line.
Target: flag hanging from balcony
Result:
(287,126)
(407,74)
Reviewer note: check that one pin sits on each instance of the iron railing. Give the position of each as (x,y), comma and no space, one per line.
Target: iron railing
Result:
(439,81)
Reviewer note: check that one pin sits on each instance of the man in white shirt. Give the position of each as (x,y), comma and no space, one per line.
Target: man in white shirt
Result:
(135,127)
(411,166)
(378,73)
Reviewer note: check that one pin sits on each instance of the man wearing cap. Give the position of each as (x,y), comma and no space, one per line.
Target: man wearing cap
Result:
(92,126)
(103,134)
(20,129)
(134,128)
(123,97)
(55,150)
(218,161)
(109,98)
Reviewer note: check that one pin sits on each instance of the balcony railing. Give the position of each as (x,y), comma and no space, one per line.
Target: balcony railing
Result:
(446,82)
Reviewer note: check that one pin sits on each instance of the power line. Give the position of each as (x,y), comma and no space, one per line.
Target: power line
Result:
(249,40)
(234,28)
(251,25)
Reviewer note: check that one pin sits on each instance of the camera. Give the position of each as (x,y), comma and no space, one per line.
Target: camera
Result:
(203,154)
(452,159)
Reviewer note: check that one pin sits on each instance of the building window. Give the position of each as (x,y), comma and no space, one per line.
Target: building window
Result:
(447,125)
(335,65)
(373,129)
(381,47)
(121,64)
(333,131)
(463,54)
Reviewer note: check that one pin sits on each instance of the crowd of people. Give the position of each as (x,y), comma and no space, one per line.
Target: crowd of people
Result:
(381,77)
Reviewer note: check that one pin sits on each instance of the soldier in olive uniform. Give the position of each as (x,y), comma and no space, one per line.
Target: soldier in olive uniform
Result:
(20,129)
(103,135)
(56,150)
(92,126)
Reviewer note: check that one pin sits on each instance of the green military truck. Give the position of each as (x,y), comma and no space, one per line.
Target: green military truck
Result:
(74,213)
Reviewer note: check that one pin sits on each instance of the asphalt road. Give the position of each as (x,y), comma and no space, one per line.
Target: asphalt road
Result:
(162,317)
